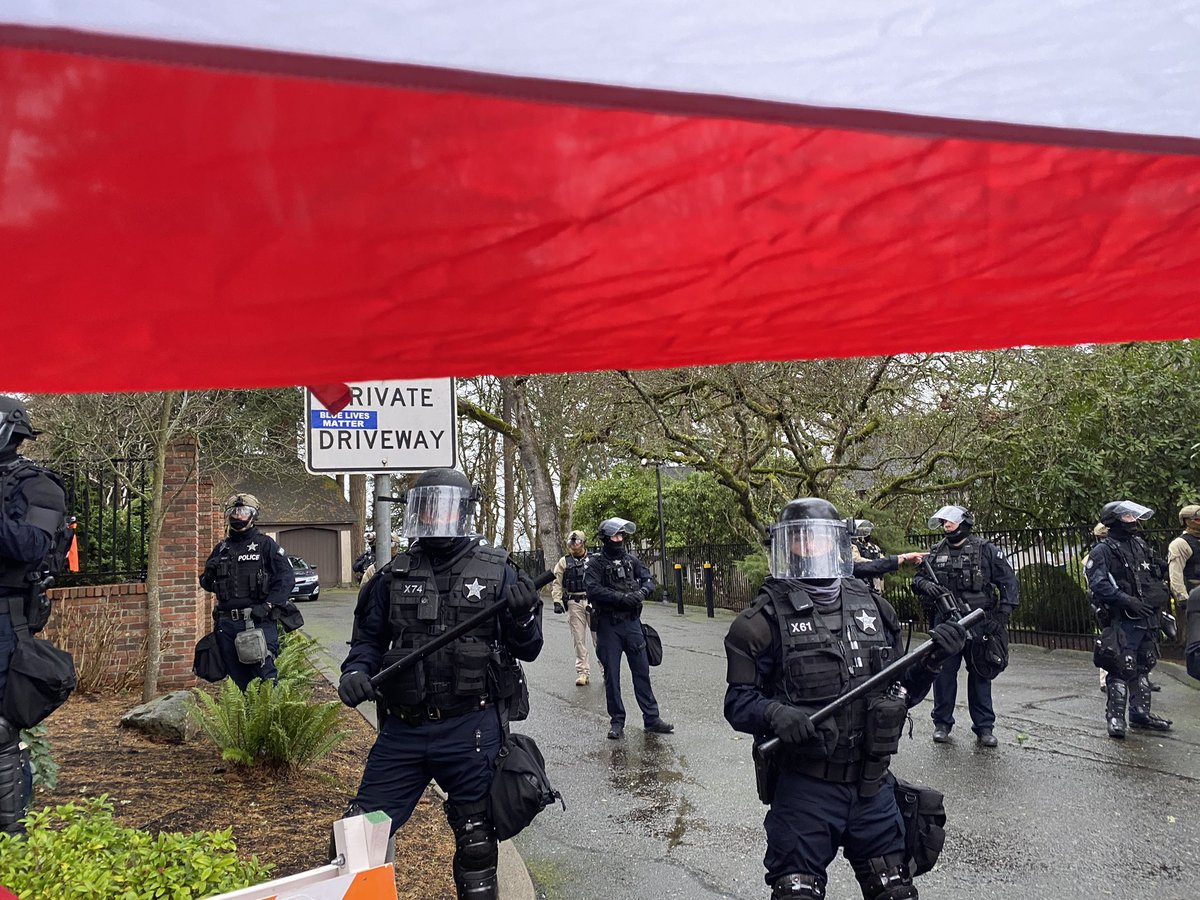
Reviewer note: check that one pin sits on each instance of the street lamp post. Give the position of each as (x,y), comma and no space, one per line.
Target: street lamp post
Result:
(662,531)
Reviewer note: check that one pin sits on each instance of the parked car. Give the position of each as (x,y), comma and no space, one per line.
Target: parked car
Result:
(308,583)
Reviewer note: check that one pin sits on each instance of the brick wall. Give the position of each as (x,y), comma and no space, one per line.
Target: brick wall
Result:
(186,541)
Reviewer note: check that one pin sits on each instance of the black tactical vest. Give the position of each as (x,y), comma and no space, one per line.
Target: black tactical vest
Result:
(868,549)
(961,569)
(242,576)
(421,606)
(824,656)
(1191,569)
(619,574)
(20,575)
(573,574)
(1137,573)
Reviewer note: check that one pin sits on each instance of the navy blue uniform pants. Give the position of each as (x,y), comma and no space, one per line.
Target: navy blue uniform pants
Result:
(242,674)
(979,697)
(614,639)
(810,819)
(459,753)
(8,643)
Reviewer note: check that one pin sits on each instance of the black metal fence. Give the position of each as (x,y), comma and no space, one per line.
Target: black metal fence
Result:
(111,521)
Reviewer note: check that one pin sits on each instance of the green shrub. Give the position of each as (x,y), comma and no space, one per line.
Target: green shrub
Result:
(45,769)
(755,567)
(77,851)
(293,662)
(275,725)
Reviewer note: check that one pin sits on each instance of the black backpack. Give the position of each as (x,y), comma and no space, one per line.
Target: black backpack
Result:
(520,787)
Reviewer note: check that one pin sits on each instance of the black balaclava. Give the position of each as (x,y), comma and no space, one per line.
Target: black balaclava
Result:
(612,549)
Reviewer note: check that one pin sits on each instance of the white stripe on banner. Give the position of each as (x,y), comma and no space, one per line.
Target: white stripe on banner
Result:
(1110,65)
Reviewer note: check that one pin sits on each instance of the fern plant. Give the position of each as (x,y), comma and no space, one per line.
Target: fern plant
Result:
(276,725)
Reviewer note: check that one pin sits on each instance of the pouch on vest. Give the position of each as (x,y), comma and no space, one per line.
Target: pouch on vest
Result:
(924,814)
(885,723)
(207,662)
(250,646)
(40,679)
(654,651)
(520,787)
(406,687)
(287,616)
(987,651)
(471,659)
(518,703)
(1108,653)
(766,774)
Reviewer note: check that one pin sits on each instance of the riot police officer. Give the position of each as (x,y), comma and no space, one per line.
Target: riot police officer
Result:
(813,633)
(366,559)
(1126,582)
(979,576)
(253,580)
(617,583)
(32,530)
(441,718)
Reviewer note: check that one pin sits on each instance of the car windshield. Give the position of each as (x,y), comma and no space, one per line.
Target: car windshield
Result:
(298,562)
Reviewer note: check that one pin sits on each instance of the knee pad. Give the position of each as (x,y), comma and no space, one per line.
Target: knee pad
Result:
(798,884)
(474,836)
(12,787)
(885,878)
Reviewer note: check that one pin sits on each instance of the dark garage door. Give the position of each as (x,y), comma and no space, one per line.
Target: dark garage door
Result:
(319,546)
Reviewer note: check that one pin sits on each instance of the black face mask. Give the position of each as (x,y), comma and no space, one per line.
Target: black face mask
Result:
(613,549)
(1124,529)
(959,534)
(237,526)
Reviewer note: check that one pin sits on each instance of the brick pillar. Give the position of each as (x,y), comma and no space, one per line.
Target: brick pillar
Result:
(184,610)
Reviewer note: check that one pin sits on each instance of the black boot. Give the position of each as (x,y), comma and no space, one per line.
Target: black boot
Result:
(1139,708)
(1118,696)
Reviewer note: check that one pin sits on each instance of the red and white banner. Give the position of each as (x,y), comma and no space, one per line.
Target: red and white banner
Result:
(245,193)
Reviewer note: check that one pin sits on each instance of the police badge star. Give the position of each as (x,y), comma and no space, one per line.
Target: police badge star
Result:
(866,622)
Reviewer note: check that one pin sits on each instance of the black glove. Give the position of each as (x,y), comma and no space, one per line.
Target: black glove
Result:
(261,612)
(559,608)
(999,616)
(1140,609)
(792,725)
(949,639)
(355,688)
(522,597)
(631,601)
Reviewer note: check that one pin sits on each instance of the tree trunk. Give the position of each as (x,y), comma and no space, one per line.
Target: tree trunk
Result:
(510,469)
(358,506)
(541,487)
(154,557)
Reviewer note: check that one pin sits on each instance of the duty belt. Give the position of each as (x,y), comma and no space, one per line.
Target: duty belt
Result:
(244,613)
(418,715)
(581,595)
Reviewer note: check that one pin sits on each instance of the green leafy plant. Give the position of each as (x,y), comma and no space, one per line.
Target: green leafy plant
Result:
(45,769)
(274,725)
(77,851)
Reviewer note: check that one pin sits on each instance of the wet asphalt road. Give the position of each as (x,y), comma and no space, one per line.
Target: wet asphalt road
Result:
(1059,810)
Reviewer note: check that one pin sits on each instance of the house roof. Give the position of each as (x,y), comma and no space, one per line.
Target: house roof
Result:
(297,498)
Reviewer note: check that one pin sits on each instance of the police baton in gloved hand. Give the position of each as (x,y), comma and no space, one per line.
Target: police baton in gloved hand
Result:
(453,634)
(888,674)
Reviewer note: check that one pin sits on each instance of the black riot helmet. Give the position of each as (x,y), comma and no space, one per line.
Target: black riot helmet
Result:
(609,528)
(811,541)
(440,504)
(14,422)
(1126,513)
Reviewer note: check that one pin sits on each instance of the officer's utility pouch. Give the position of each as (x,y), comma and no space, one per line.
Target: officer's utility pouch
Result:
(471,659)
(766,774)
(1108,653)
(885,723)
(251,646)
(924,815)
(287,616)
(407,687)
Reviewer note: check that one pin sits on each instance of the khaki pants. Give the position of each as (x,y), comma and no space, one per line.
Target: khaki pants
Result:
(577,619)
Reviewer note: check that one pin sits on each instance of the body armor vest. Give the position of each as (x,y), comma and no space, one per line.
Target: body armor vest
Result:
(573,574)
(242,576)
(17,575)
(961,570)
(1191,569)
(1137,573)
(868,549)
(826,654)
(423,605)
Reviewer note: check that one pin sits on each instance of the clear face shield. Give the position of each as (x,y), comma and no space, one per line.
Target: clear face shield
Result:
(811,548)
(439,511)
(1128,511)
(241,516)
(947,514)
